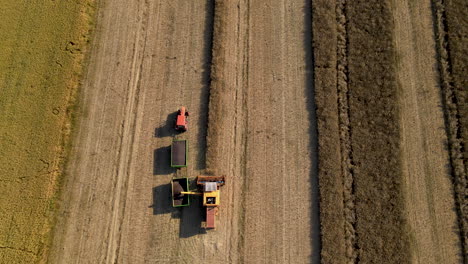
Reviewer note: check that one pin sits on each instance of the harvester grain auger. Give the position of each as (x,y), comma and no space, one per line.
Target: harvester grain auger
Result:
(208,188)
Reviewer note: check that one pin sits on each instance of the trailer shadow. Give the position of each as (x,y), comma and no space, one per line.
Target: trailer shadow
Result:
(162,161)
(167,129)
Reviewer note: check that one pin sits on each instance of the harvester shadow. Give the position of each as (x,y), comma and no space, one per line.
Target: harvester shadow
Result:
(310,102)
(162,161)
(191,217)
(167,129)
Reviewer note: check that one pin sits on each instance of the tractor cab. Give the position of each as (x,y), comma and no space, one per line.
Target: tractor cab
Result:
(181,120)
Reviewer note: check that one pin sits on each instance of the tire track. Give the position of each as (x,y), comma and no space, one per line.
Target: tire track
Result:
(345,133)
(127,136)
(324,36)
(255,75)
(452,121)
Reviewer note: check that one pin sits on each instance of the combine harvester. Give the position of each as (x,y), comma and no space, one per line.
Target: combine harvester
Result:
(208,188)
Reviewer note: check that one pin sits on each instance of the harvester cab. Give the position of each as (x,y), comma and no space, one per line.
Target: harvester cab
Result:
(181,120)
(210,194)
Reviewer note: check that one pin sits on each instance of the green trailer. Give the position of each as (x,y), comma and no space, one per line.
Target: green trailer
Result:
(179,153)
(180,185)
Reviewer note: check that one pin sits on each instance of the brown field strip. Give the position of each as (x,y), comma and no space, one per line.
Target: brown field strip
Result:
(332,220)
(375,134)
(267,138)
(451,30)
(362,215)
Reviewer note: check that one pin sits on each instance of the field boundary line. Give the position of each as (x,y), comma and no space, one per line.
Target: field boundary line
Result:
(452,121)
(244,15)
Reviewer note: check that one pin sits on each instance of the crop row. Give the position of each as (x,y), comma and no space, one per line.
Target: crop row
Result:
(345,132)
(332,219)
(375,133)
(357,109)
(451,29)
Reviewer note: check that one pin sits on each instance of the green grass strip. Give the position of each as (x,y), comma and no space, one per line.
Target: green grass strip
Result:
(41,51)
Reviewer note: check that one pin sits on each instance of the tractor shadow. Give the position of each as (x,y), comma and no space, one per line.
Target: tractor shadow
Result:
(167,129)
(162,161)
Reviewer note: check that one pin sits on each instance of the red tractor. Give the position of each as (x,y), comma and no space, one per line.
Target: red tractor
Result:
(181,120)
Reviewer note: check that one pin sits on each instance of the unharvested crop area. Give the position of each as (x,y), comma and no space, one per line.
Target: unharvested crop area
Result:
(384,183)
(41,51)
(357,113)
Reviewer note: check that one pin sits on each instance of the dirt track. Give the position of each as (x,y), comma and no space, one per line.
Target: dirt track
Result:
(154,58)
(428,187)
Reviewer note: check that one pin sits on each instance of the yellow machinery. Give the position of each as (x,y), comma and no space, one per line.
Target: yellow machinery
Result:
(208,188)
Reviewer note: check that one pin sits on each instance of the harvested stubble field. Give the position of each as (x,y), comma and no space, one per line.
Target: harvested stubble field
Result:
(357,99)
(41,51)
